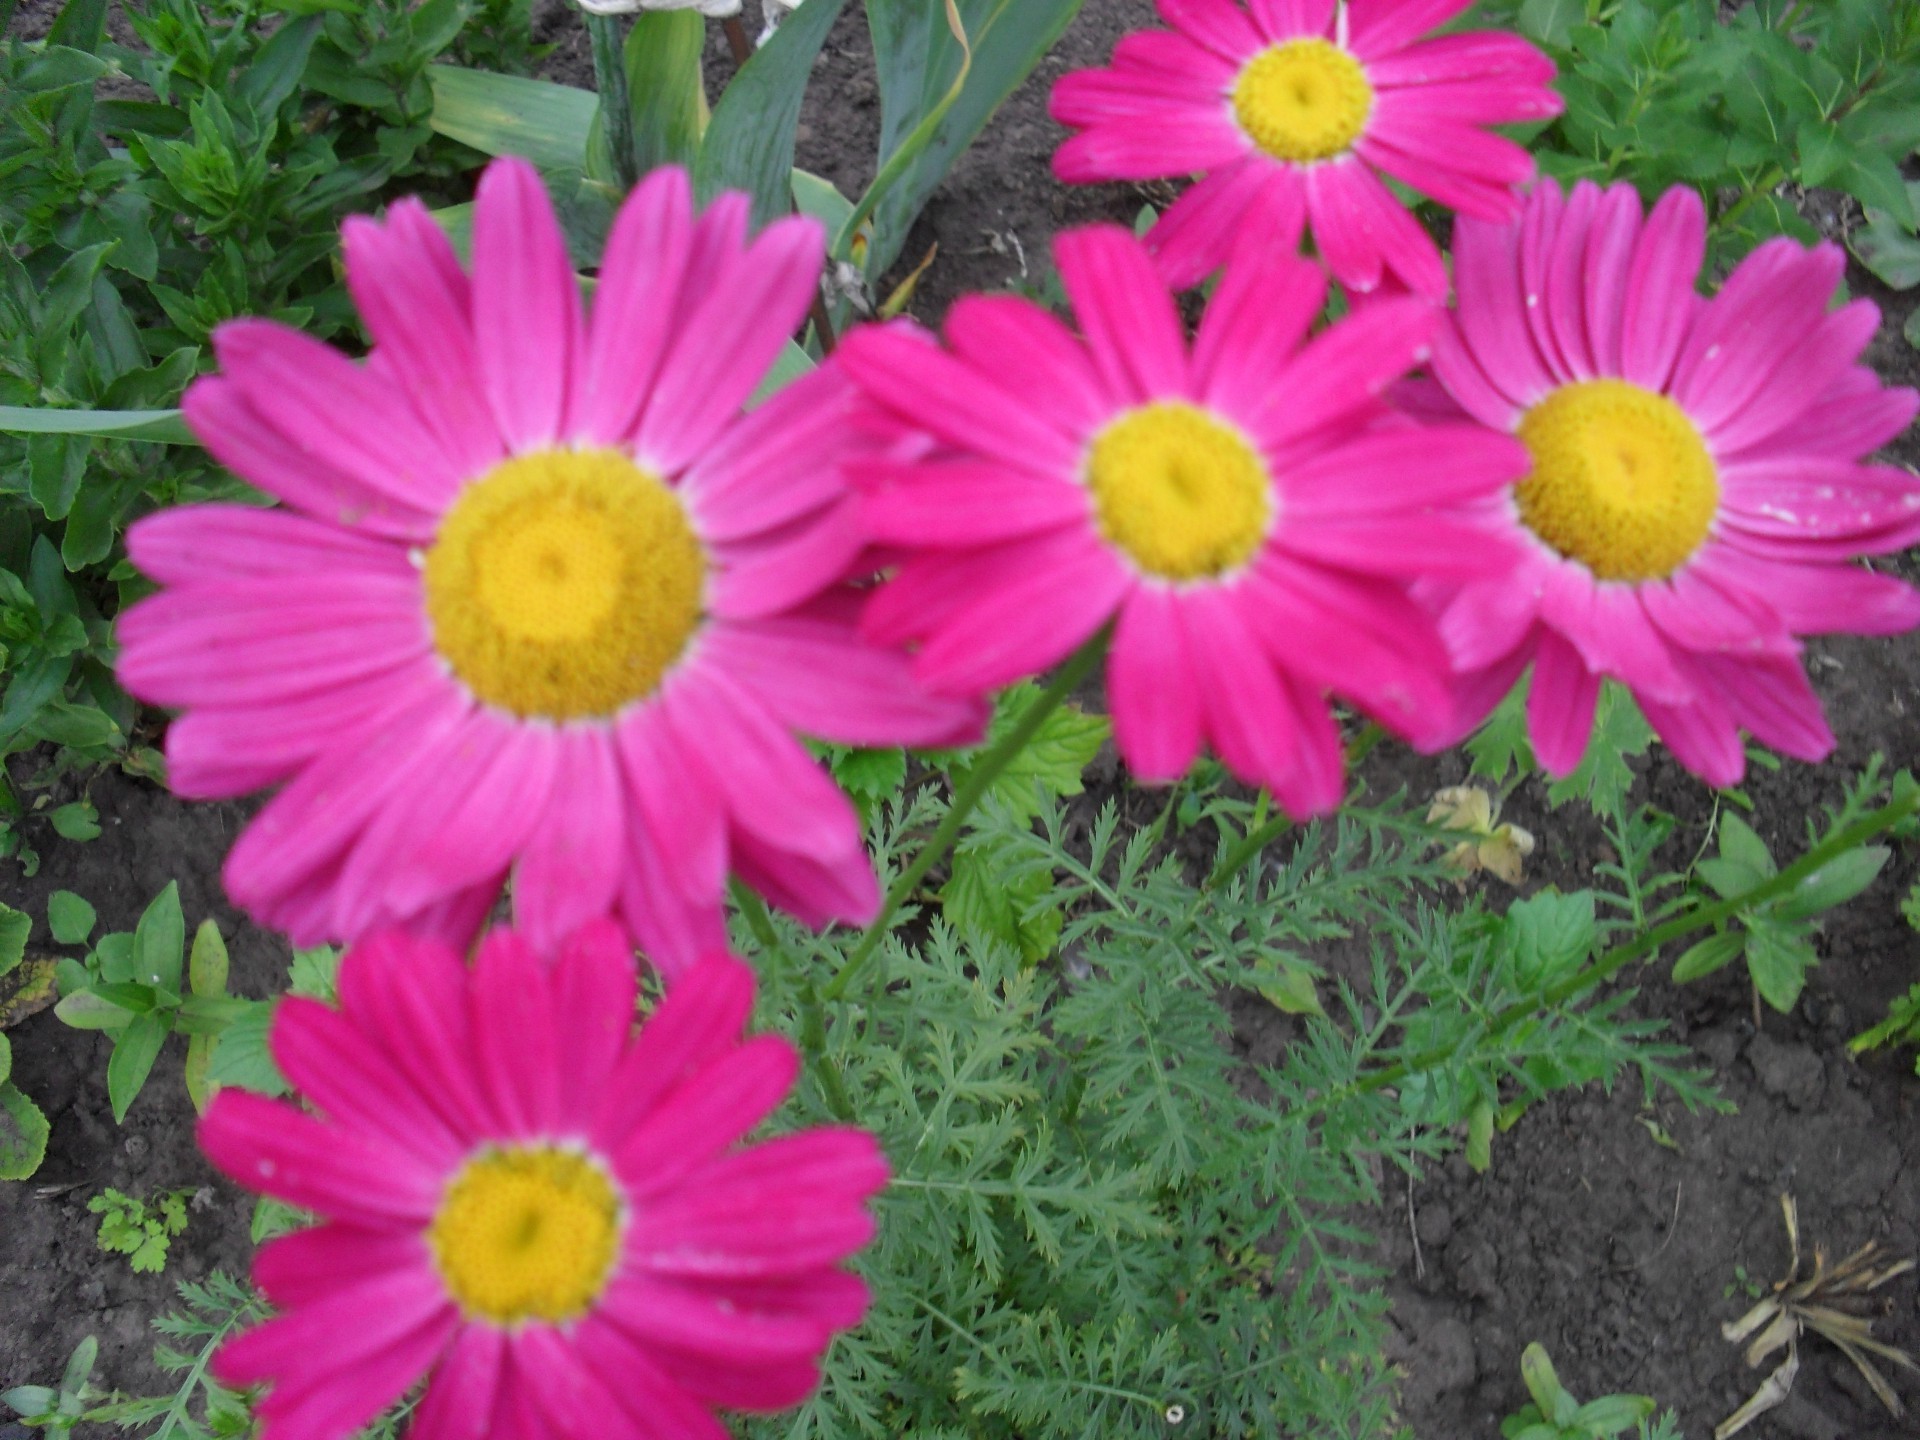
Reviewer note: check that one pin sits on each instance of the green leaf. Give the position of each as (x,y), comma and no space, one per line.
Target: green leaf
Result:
(1711,954)
(1501,745)
(508,115)
(163,426)
(23,1136)
(16,928)
(1888,248)
(934,101)
(1611,1414)
(1065,744)
(1551,935)
(6,1057)
(663,76)
(749,143)
(277,64)
(114,953)
(314,973)
(86,1010)
(207,966)
(1834,883)
(868,774)
(1778,959)
(1603,776)
(78,821)
(159,940)
(791,363)
(1551,22)
(1739,844)
(1536,1369)
(132,1061)
(69,917)
(1288,985)
(1830,157)
(81,727)
(1480,1137)
(981,900)
(243,1059)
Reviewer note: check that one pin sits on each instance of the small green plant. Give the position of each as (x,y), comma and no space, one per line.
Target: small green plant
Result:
(1742,1284)
(140,1229)
(58,1410)
(1556,1415)
(131,984)
(23,1126)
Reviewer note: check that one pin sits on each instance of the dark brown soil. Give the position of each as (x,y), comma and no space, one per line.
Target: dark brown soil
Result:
(1618,1253)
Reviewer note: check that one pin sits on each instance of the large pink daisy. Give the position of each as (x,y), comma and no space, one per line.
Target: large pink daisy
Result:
(542,597)
(549,1220)
(1695,493)
(1308,103)
(1238,506)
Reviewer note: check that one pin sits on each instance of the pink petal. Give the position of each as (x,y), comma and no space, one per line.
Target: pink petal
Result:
(1138,344)
(781,463)
(1474,55)
(816,889)
(1220,25)
(644,1389)
(1402,472)
(705,1116)
(631,324)
(347,1331)
(417,303)
(1661,302)
(1031,353)
(1485,619)
(1607,624)
(1817,599)
(681,818)
(782,568)
(526,306)
(1793,387)
(822,680)
(1854,416)
(594,989)
(1153,687)
(1565,304)
(1254,323)
(570,1400)
(1383,26)
(354,1083)
(963,504)
(1560,705)
(1343,368)
(304,1268)
(1156,143)
(1773,701)
(723,350)
(273,1148)
(1194,236)
(696,1024)
(1284,19)
(1701,737)
(1608,264)
(1491,317)
(459,1400)
(516,1043)
(198,544)
(570,868)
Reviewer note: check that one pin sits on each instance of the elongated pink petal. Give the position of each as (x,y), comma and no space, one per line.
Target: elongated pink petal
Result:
(1491,317)
(1153,686)
(1167,140)
(1773,701)
(516,1039)
(712,1111)
(629,329)
(1257,319)
(352,1082)
(1123,307)
(270,1146)
(1400,470)
(1032,354)
(962,504)
(305,1267)
(1220,25)
(201,544)
(459,1399)
(1701,737)
(526,306)
(1560,705)
(1383,26)
(570,869)
(1474,55)
(1661,302)
(1194,236)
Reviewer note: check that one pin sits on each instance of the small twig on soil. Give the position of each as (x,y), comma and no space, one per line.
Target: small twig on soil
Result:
(1413,1229)
(1672,1226)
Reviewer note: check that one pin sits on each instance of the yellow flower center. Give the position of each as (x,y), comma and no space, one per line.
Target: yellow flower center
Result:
(527,1233)
(564,583)
(1303,100)
(1182,493)
(1621,480)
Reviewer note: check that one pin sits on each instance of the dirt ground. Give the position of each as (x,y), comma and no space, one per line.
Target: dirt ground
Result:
(1622,1255)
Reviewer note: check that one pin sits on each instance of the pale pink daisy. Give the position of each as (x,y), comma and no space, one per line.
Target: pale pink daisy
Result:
(1238,508)
(551,1221)
(542,598)
(1696,491)
(1307,103)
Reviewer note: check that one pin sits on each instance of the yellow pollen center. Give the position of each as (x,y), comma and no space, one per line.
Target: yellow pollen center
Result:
(1621,480)
(527,1233)
(1303,100)
(564,583)
(1183,494)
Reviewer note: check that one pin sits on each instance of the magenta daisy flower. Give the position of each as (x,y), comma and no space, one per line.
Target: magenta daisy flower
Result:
(1241,508)
(1308,103)
(1695,493)
(550,1220)
(541,598)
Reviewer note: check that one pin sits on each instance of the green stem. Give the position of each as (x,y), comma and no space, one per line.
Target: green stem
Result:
(1650,942)
(608,37)
(1761,187)
(980,779)
(813,1019)
(1263,835)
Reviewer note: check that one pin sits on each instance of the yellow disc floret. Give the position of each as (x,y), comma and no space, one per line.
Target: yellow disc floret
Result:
(1184,494)
(1304,100)
(527,1233)
(564,583)
(1621,480)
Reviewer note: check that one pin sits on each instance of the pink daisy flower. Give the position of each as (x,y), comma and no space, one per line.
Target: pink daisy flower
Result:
(1695,493)
(1307,103)
(541,598)
(549,1219)
(1239,507)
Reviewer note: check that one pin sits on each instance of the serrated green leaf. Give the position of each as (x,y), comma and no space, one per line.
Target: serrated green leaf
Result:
(1711,954)
(69,917)
(1603,776)
(1053,759)
(983,901)
(132,1061)
(1551,934)
(1500,745)
(314,973)
(868,774)
(1889,248)
(160,940)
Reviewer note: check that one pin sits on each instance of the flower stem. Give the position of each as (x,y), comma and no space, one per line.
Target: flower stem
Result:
(1649,942)
(980,779)
(608,38)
